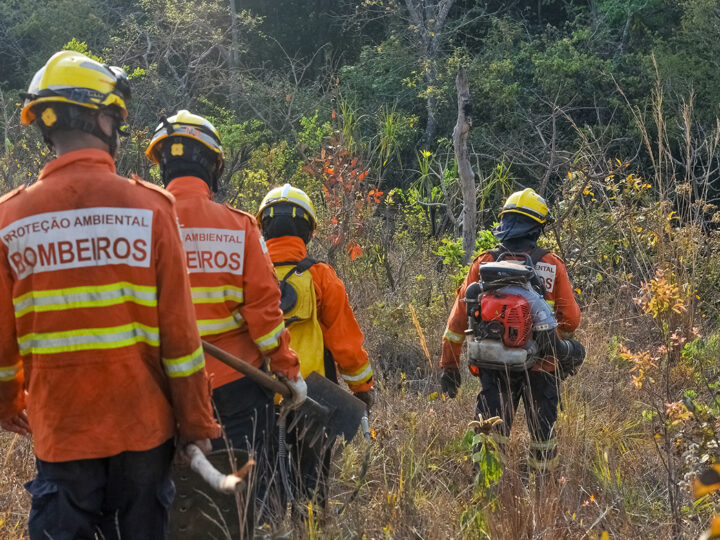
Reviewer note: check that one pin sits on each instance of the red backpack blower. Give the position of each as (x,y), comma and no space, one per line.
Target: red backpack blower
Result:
(510,325)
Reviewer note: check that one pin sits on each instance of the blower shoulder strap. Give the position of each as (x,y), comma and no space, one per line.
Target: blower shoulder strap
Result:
(535,255)
(299,266)
(495,253)
(538,253)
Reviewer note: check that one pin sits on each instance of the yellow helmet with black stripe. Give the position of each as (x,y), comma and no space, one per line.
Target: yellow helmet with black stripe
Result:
(527,203)
(73,78)
(288,194)
(185,127)
(185,124)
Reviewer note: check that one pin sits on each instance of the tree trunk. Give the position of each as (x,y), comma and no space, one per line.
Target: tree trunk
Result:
(233,57)
(430,106)
(467,177)
(429,17)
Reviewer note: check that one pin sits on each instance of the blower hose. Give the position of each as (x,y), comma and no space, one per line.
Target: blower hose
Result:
(569,353)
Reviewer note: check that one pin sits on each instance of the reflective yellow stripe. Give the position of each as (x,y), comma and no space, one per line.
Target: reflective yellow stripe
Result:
(9,373)
(551,303)
(360,376)
(84,297)
(452,336)
(209,327)
(185,365)
(84,339)
(270,340)
(216,295)
(543,445)
(543,465)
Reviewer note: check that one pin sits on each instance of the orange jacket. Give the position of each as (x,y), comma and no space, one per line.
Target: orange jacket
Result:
(560,296)
(341,334)
(234,289)
(97,321)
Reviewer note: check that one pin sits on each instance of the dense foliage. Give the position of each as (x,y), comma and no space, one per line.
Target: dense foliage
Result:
(544,75)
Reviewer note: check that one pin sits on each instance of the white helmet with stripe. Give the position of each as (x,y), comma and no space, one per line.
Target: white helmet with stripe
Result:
(288,194)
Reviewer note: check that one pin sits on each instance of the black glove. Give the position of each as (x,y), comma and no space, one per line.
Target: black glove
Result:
(450,381)
(367,397)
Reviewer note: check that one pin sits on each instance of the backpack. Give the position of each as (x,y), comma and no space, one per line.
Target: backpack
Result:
(505,307)
(299,307)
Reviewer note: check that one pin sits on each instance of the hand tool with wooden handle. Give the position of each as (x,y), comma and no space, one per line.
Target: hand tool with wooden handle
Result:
(336,411)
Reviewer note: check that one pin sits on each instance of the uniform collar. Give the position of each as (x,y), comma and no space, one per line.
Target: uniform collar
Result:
(286,248)
(189,187)
(89,157)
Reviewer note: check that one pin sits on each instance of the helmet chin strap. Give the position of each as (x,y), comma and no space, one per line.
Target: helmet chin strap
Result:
(71,118)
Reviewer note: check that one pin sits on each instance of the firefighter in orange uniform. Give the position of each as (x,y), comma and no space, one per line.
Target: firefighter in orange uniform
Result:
(522,220)
(322,325)
(98,341)
(236,296)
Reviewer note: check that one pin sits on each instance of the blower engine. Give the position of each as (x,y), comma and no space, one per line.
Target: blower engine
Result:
(506,309)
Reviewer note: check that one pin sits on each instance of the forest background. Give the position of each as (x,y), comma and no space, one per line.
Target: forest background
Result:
(608,108)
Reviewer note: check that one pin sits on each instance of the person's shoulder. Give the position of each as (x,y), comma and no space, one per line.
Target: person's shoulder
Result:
(245,216)
(483,257)
(552,258)
(323,271)
(12,194)
(156,193)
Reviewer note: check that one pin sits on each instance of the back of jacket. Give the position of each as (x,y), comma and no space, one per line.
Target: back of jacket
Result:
(96,319)
(234,289)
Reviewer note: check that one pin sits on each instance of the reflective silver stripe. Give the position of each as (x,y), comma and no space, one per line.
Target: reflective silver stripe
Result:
(113,337)
(542,464)
(364,375)
(452,336)
(211,295)
(83,297)
(8,373)
(543,445)
(185,365)
(270,340)
(208,327)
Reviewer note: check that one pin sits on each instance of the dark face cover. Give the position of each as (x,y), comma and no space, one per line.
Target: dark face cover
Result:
(516,227)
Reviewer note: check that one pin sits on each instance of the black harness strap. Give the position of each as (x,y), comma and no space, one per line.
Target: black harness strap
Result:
(300,266)
(288,294)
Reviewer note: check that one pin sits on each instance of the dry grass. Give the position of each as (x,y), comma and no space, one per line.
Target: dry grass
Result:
(420,483)
(18,467)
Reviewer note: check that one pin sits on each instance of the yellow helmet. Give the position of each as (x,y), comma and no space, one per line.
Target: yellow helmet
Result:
(289,195)
(71,77)
(186,124)
(528,203)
